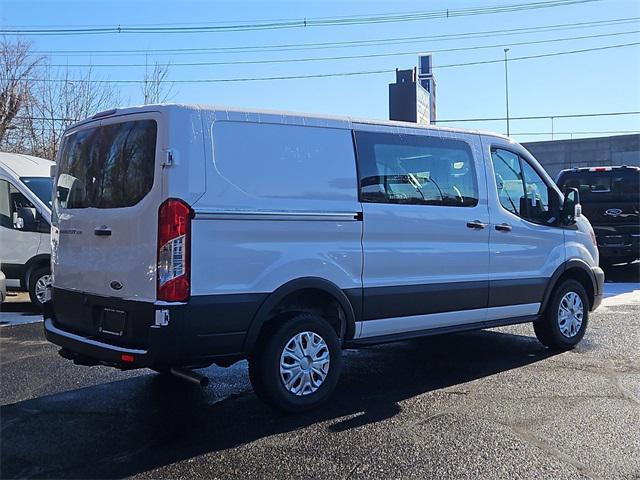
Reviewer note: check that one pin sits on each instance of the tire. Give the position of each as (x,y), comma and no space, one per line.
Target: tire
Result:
(39,277)
(559,328)
(304,333)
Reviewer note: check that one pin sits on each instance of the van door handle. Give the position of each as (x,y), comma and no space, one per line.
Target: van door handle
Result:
(476,224)
(102,231)
(503,227)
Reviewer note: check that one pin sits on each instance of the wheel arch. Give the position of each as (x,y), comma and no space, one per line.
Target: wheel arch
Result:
(307,294)
(572,269)
(41,260)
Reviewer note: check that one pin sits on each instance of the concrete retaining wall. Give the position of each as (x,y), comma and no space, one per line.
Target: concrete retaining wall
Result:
(556,155)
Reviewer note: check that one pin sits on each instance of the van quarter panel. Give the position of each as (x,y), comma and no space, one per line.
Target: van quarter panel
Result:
(291,214)
(185,178)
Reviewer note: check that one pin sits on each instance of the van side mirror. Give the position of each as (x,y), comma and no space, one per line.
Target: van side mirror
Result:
(571,209)
(25,219)
(53,170)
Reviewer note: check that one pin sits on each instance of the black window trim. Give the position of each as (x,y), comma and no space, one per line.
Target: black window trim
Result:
(355,131)
(95,123)
(522,158)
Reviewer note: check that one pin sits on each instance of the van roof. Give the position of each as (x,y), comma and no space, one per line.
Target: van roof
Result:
(21,165)
(276,116)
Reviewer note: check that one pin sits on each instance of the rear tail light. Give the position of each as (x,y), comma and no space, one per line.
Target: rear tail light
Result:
(174,251)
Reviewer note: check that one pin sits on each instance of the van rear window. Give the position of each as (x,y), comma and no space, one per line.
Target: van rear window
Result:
(110,166)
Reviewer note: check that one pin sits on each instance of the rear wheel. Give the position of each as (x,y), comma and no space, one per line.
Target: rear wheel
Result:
(39,280)
(564,323)
(297,364)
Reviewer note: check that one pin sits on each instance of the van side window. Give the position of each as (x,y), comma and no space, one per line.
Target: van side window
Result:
(537,194)
(5,209)
(14,204)
(415,169)
(506,166)
(521,189)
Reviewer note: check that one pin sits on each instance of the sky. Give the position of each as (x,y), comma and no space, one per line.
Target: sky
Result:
(606,80)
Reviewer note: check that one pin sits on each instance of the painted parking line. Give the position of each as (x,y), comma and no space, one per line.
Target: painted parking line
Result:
(621,294)
(18,318)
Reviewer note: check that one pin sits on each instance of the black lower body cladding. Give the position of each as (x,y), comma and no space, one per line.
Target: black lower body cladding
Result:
(598,275)
(199,332)
(217,328)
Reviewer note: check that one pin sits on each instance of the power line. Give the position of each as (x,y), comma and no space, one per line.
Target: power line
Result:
(539,117)
(601,132)
(342,57)
(223,22)
(334,74)
(300,23)
(343,44)
(529,117)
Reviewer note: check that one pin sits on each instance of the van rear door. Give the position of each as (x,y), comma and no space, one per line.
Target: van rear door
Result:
(107,193)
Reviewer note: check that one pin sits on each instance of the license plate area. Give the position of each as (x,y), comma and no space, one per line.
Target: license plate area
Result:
(112,322)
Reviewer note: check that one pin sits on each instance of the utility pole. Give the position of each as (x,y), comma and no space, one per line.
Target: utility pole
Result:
(506,86)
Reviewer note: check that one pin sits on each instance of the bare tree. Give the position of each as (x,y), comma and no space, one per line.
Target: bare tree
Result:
(38,103)
(17,65)
(62,98)
(156,88)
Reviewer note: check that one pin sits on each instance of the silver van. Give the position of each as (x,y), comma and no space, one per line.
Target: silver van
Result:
(185,236)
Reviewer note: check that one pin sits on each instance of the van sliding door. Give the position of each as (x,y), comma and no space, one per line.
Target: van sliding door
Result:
(426,241)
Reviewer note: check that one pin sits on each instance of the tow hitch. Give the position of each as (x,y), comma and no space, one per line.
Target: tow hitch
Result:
(77,358)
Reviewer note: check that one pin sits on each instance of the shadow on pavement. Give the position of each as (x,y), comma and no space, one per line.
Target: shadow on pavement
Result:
(130,426)
(22,308)
(622,273)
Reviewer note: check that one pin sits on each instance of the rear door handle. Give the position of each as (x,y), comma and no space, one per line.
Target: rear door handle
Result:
(476,224)
(102,231)
(503,227)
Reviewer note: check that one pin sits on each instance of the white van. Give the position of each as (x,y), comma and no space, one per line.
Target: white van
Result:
(25,219)
(189,235)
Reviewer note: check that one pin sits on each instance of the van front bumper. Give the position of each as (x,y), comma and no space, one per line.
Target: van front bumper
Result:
(197,333)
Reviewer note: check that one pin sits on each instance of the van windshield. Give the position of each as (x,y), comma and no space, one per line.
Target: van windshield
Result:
(41,187)
(110,166)
(603,185)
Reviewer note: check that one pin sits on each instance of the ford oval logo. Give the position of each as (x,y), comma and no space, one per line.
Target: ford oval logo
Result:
(613,212)
(116,285)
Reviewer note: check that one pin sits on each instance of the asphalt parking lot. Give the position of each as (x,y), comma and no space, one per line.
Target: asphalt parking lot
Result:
(490,404)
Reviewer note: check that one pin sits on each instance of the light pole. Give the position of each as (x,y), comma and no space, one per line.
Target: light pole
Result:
(506,86)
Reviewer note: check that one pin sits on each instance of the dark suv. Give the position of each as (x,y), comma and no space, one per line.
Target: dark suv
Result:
(610,198)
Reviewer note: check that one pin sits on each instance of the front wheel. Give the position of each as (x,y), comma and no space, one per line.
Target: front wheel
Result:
(297,364)
(564,323)
(39,280)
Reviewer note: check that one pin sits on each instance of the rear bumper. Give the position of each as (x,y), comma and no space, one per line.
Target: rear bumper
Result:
(598,292)
(203,331)
(77,346)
